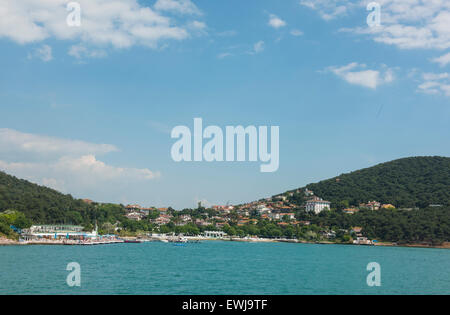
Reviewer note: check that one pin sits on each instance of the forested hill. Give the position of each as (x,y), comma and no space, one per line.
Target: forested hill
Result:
(408,182)
(40,204)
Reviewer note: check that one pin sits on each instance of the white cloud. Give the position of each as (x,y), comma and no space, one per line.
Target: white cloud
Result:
(411,24)
(70,166)
(357,74)
(224,55)
(296,32)
(435,83)
(407,24)
(328,9)
(197,27)
(258,47)
(16,141)
(116,23)
(435,76)
(75,174)
(276,22)
(179,6)
(44,53)
(442,60)
(81,52)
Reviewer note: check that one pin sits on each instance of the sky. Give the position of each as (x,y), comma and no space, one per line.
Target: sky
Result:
(88,110)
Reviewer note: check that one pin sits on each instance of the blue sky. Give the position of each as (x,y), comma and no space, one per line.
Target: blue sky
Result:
(89,110)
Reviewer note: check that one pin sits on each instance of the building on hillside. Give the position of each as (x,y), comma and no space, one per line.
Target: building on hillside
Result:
(162,220)
(262,208)
(146,211)
(243,222)
(280,197)
(351,210)
(371,205)
(357,230)
(186,218)
(317,205)
(135,216)
(201,222)
(388,206)
(133,208)
(281,216)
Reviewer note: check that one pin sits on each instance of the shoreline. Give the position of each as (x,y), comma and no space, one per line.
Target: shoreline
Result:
(445,245)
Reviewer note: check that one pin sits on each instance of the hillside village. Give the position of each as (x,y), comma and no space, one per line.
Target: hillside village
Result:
(281,210)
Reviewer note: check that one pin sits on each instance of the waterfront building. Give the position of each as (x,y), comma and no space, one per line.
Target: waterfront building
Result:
(57,232)
(362,241)
(214,234)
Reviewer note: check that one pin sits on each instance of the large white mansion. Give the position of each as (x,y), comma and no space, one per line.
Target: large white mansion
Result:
(317,205)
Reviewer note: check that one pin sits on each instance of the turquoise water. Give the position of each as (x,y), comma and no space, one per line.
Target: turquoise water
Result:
(223,268)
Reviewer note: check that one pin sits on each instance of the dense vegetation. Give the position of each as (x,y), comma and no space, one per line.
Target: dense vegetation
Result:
(15,219)
(429,225)
(405,183)
(43,205)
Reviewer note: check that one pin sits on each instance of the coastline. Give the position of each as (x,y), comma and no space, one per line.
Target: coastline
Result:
(445,245)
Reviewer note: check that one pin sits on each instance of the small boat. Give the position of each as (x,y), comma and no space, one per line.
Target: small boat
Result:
(179,240)
(133,241)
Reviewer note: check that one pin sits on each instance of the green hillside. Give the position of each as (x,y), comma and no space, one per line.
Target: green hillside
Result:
(409,182)
(45,205)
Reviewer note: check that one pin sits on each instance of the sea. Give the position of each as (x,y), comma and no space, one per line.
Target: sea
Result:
(223,268)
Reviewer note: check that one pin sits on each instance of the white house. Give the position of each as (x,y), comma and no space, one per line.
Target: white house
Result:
(317,205)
